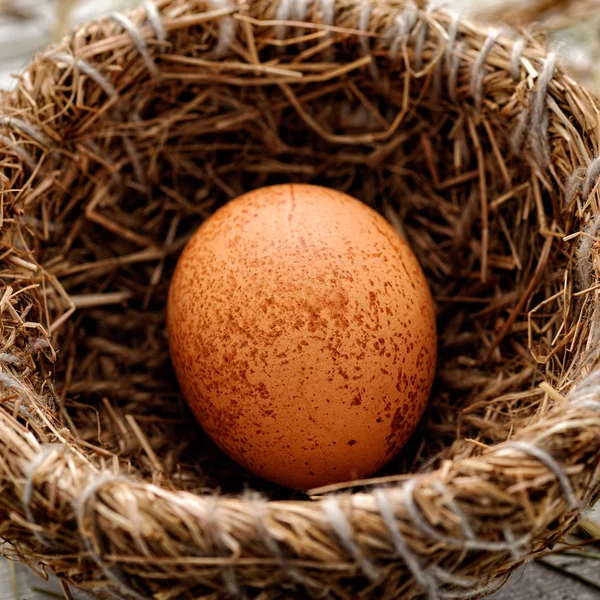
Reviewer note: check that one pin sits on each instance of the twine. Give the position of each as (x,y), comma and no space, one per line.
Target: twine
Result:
(591,177)
(301,10)
(587,392)
(479,68)
(138,40)
(19,150)
(450,44)
(271,543)
(588,403)
(421,35)
(403,25)
(453,75)
(478,592)
(89,493)
(451,504)
(545,458)
(518,136)
(535,119)
(327,11)
(88,69)
(365,42)
(38,344)
(584,180)
(40,225)
(573,185)
(420,44)
(539,113)
(11,382)
(155,20)
(227,30)
(584,253)
(284,13)
(28,129)
(514,546)
(45,451)
(401,547)
(228,573)
(341,526)
(8,358)
(515,58)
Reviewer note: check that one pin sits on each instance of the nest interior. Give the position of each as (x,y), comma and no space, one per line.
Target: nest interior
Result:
(110,161)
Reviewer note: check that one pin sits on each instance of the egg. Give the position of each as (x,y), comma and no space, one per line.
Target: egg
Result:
(302,333)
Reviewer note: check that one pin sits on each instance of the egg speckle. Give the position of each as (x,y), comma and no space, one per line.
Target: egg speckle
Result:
(302,333)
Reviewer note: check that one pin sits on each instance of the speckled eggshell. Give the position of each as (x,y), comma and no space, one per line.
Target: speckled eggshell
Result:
(303,336)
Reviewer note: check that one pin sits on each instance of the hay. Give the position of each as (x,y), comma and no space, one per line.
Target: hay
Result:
(118,143)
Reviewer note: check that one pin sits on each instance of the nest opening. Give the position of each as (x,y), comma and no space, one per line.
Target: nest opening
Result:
(484,223)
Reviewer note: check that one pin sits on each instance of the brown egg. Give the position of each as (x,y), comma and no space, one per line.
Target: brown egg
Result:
(302,332)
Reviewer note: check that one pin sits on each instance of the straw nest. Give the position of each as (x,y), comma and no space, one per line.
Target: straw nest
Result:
(115,146)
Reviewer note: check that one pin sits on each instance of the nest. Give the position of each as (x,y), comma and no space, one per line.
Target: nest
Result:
(118,143)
